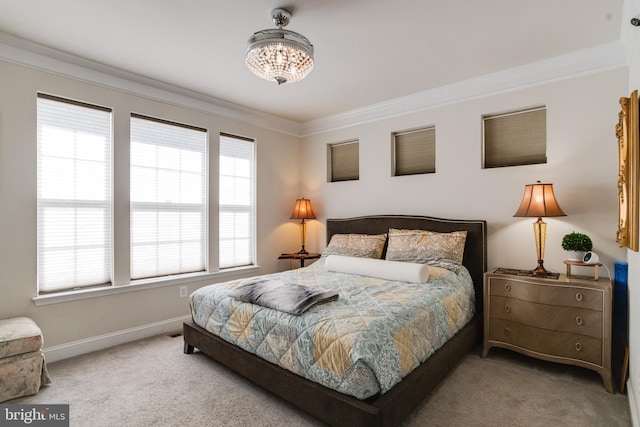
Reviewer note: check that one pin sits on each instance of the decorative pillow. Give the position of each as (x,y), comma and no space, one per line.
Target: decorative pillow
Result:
(426,246)
(358,245)
(383,269)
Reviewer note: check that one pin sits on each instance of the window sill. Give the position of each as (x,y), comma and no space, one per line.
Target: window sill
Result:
(139,285)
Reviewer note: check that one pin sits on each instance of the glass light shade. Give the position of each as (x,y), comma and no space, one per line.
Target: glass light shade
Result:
(279,55)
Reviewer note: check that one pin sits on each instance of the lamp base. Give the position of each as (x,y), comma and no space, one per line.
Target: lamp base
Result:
(540,271)
(303,237)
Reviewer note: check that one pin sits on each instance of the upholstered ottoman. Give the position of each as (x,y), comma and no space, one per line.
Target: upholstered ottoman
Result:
(22,366)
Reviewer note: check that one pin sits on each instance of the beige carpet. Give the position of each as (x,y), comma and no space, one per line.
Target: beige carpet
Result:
(152,383)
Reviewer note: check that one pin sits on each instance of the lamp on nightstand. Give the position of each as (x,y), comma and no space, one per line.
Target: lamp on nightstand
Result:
(539,201)
(303,211)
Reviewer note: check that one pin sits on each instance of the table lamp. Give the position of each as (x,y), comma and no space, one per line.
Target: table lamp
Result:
(539,201)
(302,210)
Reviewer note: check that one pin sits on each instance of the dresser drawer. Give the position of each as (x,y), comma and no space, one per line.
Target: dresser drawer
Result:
(557,294)
(560,344)
(567,319)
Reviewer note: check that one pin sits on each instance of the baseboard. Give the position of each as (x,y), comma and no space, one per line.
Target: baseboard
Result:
(87,345)
(632,404)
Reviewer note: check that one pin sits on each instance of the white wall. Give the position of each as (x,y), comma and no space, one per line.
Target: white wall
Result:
(77,322)
(582,164)
(633,258)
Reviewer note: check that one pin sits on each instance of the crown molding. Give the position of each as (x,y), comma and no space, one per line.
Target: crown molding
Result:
(19,51)
(587,61)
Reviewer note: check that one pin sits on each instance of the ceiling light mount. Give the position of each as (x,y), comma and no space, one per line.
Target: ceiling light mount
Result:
(279,55)
(281,17)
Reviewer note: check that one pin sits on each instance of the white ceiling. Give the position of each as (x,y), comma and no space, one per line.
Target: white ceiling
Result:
(366,51)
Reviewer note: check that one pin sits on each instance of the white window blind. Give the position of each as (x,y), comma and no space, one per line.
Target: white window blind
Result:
(168,198)
(74,194)
(237,201)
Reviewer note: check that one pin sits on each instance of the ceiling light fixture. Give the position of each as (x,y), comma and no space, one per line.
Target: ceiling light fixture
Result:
(279,55)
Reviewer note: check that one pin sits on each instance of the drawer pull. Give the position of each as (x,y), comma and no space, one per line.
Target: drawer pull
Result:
(578,346)
(579,320)
(507,308)
(507,287)
(579,296)
(507,332)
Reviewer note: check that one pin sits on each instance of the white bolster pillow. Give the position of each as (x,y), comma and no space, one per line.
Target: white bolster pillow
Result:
(383,269)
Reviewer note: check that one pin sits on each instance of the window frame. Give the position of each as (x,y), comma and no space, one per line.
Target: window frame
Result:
(542,157)
(46,204)
(330,160)
(120,229)
(251,209)
(425,169)
(174,207)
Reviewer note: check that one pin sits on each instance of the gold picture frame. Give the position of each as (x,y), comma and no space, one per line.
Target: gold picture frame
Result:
(628,163)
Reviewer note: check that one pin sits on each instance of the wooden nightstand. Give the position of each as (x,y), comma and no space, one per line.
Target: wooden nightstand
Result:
(301,257)
(565,320)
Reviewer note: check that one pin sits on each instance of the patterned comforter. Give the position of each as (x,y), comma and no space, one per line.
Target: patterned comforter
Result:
(362,344)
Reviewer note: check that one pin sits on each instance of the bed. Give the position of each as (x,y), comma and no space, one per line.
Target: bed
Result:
(381,409)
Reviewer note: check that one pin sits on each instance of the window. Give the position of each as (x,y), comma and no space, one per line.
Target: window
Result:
(168,198)
(513,139)
(74,194)
(344,161)
(237,201)
(414,152)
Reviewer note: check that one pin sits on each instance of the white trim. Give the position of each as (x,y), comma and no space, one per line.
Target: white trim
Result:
(19,51)
(599,58)
(632,403)
(586,61)
(87,345)
(139,285)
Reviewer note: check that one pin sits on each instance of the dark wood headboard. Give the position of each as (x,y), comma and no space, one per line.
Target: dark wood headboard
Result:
(475,251)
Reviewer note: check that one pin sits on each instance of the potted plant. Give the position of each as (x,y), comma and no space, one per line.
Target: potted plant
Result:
(576,245)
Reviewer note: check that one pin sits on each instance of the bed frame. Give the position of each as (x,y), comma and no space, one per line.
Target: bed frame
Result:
(338,409)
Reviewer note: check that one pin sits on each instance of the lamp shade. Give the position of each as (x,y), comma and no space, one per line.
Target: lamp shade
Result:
(539,201)
(302,210)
